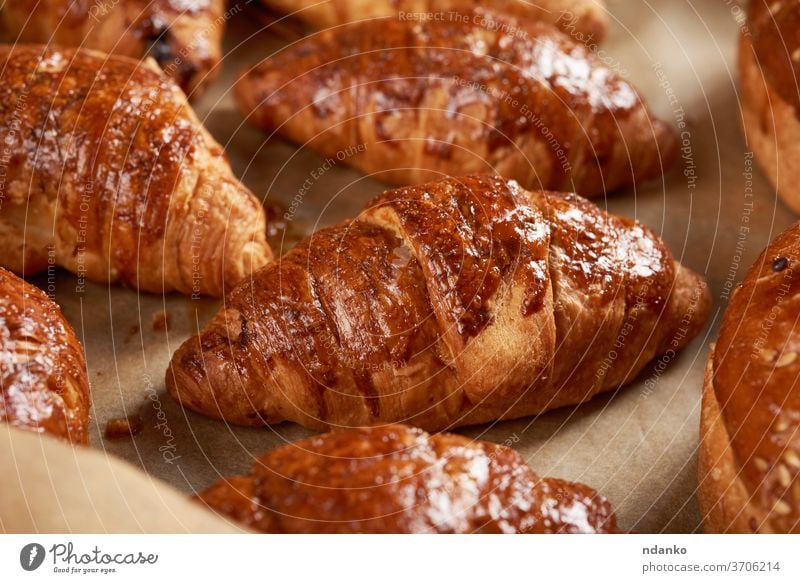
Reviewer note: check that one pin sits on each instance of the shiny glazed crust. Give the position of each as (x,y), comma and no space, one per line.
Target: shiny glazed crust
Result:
(113,176)
(44,386)
(415,101)
(750,448)
(773,26)
(586,19)
(398,479)
(183,36)
(769,108)
(457,302)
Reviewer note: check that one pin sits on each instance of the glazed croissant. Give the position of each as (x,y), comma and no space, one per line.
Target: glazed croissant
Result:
(112,176)
(398,479)
(44,385)
(451,303)
(183,37)
(585,19)
(415,101)
(749,461)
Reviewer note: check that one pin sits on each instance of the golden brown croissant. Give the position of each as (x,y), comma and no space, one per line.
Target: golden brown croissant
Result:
(43,381)
(587,20)
(413,102)
(183,37)
(769,67)
(398,479)
(112,176)
(451,303)
(750,425)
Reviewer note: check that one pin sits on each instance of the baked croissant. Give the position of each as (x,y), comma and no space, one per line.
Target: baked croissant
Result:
(112,176)
(769,67)
(451,303)
(44,385)
(413,101)
(183,37)
(587,20)
(398,479)
(750,425)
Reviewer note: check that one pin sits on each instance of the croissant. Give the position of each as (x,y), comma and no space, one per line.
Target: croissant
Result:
(451,303)
(112,176)
(769,66)
(413,101)
(399,479)
(44,385)
(749,460)
(183,37)
(586,19)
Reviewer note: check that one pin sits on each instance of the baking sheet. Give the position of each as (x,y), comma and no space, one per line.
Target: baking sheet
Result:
(637,447)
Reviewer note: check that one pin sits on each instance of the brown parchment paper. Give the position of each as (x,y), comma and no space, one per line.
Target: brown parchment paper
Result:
(637,447)
(51,487)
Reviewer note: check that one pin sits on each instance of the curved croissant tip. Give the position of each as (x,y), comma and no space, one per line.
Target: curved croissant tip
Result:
(235,244)
(210,373)
(247,260)
(690,302)
(187,377)
(668,143)
(187,382)
(180,384)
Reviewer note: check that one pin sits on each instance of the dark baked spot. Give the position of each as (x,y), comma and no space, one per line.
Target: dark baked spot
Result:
(158,36)
(244,334)
(161,51)
(779,264)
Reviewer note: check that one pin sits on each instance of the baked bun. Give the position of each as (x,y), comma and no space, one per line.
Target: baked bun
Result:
(750,443)
(769,63)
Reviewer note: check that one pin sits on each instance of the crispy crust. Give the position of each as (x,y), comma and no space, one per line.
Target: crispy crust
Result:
(451,303)
(115,178)
(412,102)
(184,38)
(773,26)
(725,504)
(399,479)
(585,18)
(749,466)
(44,386)
(771,127)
